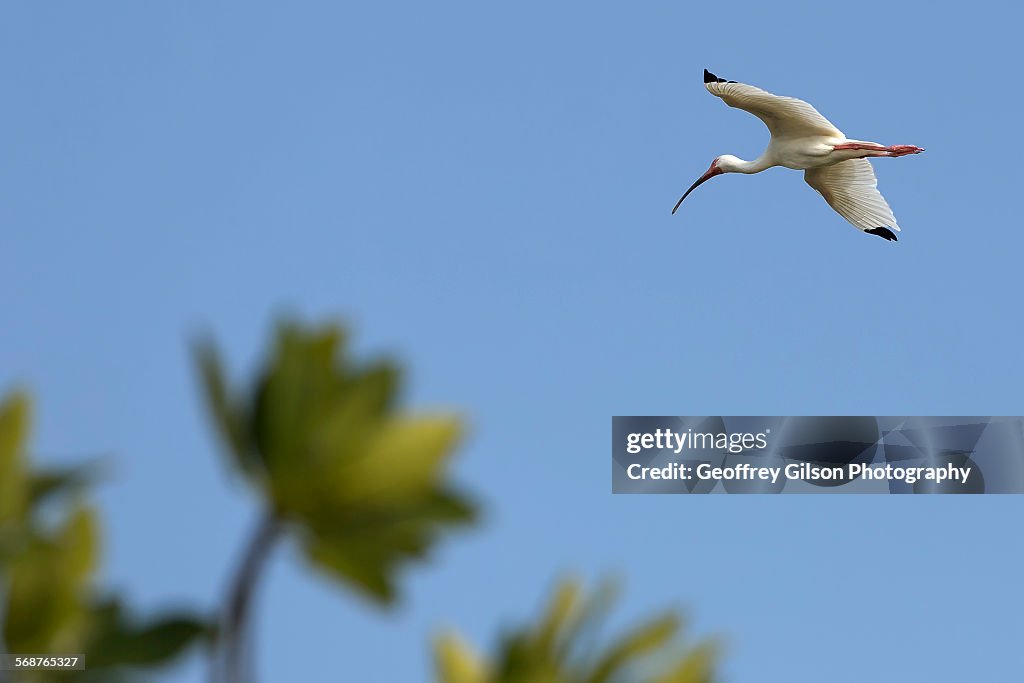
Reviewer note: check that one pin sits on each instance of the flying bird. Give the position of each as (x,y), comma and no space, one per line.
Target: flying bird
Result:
(802,139)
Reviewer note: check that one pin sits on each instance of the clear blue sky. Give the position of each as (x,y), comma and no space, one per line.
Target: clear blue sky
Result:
(485,191)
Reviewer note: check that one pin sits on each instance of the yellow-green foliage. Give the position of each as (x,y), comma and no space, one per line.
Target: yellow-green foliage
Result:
(46,569)
(561,648)
(360,482)
(47,562)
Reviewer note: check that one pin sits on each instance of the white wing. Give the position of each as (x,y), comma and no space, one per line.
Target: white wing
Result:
(784,116)
(850,187)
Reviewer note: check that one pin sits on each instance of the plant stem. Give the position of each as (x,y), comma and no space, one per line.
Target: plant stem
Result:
(234,619)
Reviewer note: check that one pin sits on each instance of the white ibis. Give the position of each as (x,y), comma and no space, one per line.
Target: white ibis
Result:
(802,139)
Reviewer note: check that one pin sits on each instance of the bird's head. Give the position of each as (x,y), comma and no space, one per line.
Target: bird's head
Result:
(726,163)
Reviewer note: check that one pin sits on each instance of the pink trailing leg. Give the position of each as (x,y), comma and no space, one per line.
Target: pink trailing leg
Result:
(880,150)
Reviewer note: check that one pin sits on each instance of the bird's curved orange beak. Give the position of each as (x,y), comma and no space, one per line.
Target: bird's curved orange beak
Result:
(711,173)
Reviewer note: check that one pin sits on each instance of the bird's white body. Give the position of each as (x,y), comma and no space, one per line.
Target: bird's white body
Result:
(802,139)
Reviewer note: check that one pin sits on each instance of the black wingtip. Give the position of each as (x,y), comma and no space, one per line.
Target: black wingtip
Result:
(712,78)
(884,233)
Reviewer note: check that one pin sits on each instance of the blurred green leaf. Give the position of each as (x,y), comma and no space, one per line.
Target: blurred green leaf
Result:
(401,459)
(559,625)
(14,425)
(79,544)
(46,484)
(365,546)
(643,640)
(559,649)
(120,641)
(457,662)
(697,667)
(47,587)
(227,417)
(300,385)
